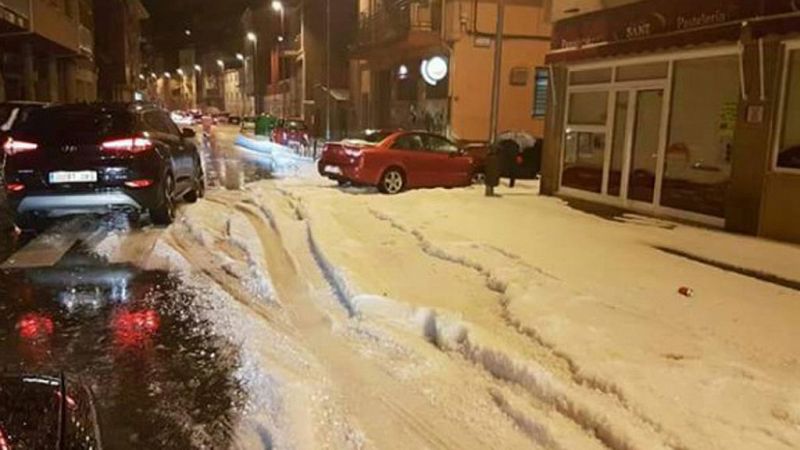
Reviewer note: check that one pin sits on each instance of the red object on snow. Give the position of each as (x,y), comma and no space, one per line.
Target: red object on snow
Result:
(686,291)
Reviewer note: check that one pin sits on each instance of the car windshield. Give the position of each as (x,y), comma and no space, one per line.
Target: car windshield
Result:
(372,136)
(12,115)
(294,125)
(5,115)
(49,124)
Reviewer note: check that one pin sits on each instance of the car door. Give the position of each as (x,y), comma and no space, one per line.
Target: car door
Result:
(185,151)
(449,166)
(408,151)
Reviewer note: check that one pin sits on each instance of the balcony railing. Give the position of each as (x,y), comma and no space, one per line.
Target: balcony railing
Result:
(19,7)
(394,20)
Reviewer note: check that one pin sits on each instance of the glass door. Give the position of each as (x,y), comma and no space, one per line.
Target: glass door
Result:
(644,144)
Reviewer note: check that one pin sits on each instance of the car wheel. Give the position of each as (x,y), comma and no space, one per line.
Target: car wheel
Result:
(199,189)
(392,181)
(164,213)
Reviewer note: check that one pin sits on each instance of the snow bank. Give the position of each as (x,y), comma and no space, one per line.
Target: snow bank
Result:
(593,328)
(617,428)
(242,235)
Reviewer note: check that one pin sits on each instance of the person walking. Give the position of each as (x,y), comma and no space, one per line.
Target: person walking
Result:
(492,175)
(509,157)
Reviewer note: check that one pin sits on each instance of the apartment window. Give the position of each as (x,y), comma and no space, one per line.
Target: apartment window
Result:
(541,87)
(788,156)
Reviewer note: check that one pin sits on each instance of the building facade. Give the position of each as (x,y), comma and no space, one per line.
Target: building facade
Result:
(47,50)
(234,100)
(118,53)
(680,108)
(429,65)
(308,62)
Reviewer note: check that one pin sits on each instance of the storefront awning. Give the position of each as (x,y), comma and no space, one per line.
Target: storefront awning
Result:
(663,24)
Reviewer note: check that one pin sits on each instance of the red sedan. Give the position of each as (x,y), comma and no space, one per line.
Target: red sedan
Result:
(395,161)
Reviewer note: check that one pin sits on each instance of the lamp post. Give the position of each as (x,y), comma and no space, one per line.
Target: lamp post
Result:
(498,61)
(252,37)
(242,86)
(328,69)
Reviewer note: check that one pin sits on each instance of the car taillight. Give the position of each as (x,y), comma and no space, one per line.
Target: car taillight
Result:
(139,184)
(12,147)
(353,153)
(35,326)
(132,145)
(15,187)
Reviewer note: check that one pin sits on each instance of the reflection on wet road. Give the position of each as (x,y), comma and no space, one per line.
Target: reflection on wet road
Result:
(161,378)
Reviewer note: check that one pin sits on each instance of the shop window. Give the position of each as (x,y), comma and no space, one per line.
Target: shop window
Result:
(588,108)
(618,144)
(705,100)
(653,71)
(593,76)
(788,156)
(583,161)
(541,90)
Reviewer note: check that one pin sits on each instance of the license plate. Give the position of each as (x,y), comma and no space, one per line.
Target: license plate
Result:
(86,176)
(333,169)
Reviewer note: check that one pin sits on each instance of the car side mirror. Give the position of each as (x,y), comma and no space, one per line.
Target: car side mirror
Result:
(188,133)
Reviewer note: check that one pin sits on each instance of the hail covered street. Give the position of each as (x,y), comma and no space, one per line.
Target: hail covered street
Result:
(284,311)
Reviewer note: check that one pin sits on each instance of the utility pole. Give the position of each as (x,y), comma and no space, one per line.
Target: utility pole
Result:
(328,70)
(498,62)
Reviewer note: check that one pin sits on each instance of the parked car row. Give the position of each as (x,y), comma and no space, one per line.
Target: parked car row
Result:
(94,158)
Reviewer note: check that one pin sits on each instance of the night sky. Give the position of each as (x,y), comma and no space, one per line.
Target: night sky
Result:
(214,24)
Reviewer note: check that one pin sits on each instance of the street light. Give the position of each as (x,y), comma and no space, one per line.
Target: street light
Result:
(252,37)
(221,64)
(240,57)
(187,32)
(280,38)
(197,68)
(167,75)
(277,6)
(180,72)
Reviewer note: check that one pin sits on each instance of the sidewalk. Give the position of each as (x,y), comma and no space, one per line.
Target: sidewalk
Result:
(582,309)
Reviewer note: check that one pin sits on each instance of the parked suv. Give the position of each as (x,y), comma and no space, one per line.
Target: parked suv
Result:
(76,159)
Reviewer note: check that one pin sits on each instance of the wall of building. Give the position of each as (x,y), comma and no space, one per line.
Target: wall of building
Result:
(779,191)
(53,63)
(57,21)
(471,25)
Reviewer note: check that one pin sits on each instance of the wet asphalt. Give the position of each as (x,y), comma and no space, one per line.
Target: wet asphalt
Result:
(160,376)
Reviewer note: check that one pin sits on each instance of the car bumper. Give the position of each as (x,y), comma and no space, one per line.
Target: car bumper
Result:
(64,204)
(340,172)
